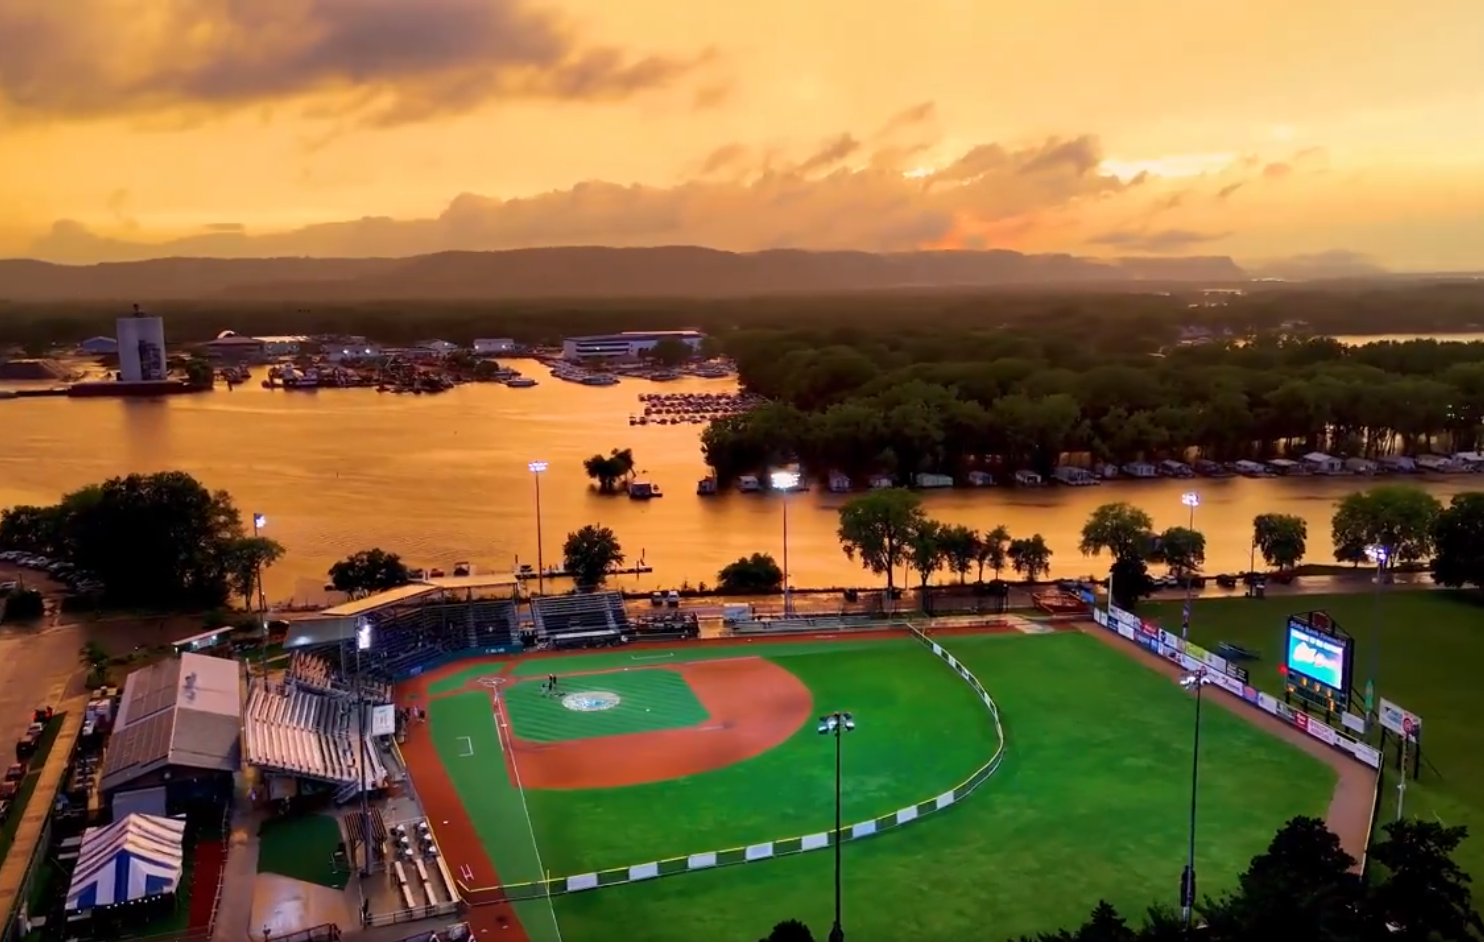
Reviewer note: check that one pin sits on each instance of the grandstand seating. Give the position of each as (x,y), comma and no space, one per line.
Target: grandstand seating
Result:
(555,615)
(319,673)
(293,730)
(406,639)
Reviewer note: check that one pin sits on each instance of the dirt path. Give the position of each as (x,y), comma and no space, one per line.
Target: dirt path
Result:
(1350,806)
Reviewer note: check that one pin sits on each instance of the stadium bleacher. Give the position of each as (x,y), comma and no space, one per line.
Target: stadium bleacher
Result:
(319,673)
(557,615)
(408,638)
(294,730)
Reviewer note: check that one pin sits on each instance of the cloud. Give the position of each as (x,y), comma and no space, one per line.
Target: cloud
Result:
(1158,241)
(1277,171)
(837,196)
(1226,191)
(224,227)
(382,62)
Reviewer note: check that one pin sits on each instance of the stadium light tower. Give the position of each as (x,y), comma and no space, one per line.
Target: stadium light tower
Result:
(363,643)
(1192,500)
(537,468)
(259,521)
(1196,680)
(785,481)
(837,724)
(1379,555)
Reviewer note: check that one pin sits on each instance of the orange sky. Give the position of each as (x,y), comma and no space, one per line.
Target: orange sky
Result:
(1250,128)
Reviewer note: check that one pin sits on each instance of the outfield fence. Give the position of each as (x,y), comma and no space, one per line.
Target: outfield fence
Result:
(767,850)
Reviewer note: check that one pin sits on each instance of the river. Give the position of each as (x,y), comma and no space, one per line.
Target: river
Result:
(441,479)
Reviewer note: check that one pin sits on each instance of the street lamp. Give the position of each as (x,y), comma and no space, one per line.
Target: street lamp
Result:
(837,724)
(785,481)
(259,521)
(1197,680)
(537,467)
(363,643)
(1379,555)
(1192,500)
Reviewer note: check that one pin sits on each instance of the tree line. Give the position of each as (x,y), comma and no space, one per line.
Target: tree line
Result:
(1302,887)
(1099,320)
(1004,400)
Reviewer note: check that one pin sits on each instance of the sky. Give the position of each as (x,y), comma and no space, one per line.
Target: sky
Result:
(1257,129)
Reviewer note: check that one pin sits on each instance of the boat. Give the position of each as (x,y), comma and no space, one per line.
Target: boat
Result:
(706,487)
(599,379)
(643,490)
(520,382)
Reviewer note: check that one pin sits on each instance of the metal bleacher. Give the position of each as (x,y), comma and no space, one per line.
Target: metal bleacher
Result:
(409,637)
(556,615)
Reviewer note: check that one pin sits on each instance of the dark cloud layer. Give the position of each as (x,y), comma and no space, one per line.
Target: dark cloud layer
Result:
(1156,241)
(842,195)
(385,62)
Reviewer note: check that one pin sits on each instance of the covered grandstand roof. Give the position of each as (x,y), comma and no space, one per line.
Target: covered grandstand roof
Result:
(134,858)
(402,593)
(185,712)
(456,583)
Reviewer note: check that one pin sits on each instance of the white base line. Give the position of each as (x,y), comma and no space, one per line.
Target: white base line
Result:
(467,874)
(469,743)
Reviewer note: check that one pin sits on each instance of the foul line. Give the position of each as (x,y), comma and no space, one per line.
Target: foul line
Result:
(470,744)
(652,657)
(501,733)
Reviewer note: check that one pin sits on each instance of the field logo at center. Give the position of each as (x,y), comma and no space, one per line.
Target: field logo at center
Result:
(591,701)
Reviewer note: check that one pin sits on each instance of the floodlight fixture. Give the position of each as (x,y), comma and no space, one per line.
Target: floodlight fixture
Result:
(1190,499)
(784,480)
(1378,554)
(537,466)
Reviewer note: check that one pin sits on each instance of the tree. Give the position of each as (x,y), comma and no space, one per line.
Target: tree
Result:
(790,930)
(199,372)
(960,546)
(925,550)
(1121,529)
(179,537)
(1129,582)
(1300,888)
(1458,537)
(590,553)
(368,571)
(877,529)
(1030,556)
(1282,539)
(670,351)
(245,559)
(993,549)
(1182,549)
(757,574)
(610,469)
(1424,893)
(1398,517)
(92,656)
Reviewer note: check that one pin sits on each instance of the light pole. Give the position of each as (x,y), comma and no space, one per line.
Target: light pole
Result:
(837,724)
(1379,555)
(363,642)
(1195,679)
(1192,500)
(537,467)
(259,521)
(785,481)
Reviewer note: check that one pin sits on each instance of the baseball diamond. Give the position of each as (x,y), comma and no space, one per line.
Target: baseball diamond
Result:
(693,758)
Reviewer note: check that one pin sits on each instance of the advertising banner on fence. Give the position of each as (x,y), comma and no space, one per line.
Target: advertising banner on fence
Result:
(383,720)
(1400,721)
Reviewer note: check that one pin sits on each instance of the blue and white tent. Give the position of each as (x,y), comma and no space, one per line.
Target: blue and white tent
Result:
(134,858)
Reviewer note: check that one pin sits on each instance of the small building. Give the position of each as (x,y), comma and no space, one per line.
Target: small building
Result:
(1140,469)
(1319,463)
(491,347)
(1360,466)
(839,483)
(627,344)
(1074,477)
(99,346)
(440,347)
(340,349)
(1397,464)
(234,347)
(1287,467)
(175,742)
(925,480)
(980,479)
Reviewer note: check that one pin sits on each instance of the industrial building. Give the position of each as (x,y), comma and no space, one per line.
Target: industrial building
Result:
(627,344)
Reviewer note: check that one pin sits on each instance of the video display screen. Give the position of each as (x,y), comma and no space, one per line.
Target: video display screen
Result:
(1317,657)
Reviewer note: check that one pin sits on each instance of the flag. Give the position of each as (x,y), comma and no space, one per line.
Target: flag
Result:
(259,521)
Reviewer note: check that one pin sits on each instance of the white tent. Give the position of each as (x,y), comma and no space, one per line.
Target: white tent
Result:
(133,858)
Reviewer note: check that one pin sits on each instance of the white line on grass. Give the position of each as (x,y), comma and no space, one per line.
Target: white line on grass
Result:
(652,657)
(468,747)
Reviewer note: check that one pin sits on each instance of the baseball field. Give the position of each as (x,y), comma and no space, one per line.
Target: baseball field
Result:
(704,760)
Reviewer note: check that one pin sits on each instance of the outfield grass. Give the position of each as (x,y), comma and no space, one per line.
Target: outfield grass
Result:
(1431,657)
(646,657)
(649,700)
(1091,803)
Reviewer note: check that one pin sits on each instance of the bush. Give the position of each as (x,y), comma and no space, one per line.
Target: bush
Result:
(751,575)
(24,605)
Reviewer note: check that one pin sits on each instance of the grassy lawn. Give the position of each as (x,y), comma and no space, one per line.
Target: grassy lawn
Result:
(301,848)
(1090,804)
(1431,651)
(28,784)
